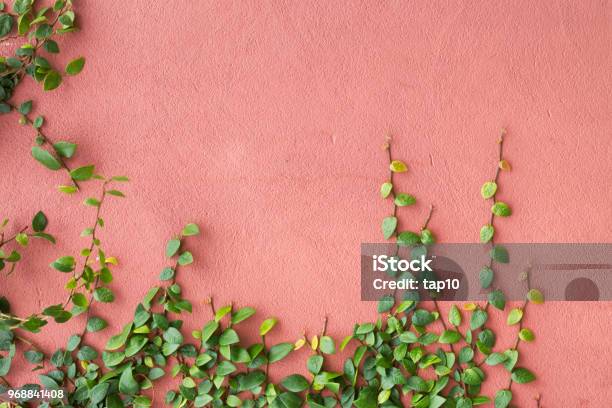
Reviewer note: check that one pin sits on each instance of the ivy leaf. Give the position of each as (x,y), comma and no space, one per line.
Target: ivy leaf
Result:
(52,80)
(64,264)
(314,364)
(501,209)
(385,189)
(535,296)
(403,200)
(82,173)
(499,254)
(478,319)
(127,384)
(75,66)
(526,335)
(398,166)
(39,222)
(326,345)
(45,158)
(486,233)
(172,247)
(497,299)
(449,337)
(104,295)
(190,230)
(486,277)
(279,351)
(522,376)
(503,398)
(295,383)
(6,24)
(388,226)
(515,316)
(408,238)
(65,149)
(488,189)
(385,303)
(95,324)
(242,314)
(454,316)
(185,258)
(267,325)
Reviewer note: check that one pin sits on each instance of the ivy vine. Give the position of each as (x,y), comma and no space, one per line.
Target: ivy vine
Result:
(410,355)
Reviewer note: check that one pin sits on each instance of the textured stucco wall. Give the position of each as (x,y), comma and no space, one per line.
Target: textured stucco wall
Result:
(263,122)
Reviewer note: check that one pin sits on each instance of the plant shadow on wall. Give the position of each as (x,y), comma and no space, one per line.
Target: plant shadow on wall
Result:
(410,355)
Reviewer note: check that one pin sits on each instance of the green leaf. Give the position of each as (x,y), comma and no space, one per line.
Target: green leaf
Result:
(512,358)
(327,345)
(82,173)
(185,258)
(26,107)
(454,316)
(314,364)
(466,354)
(173,336)
(22,239)
(75,66)
(209,329)
(52,80)
(478,319)
(486,233)
(95,324)
(385,303)
(486,277)
(295,383)
(104,295)
(488,189)
(388,226)
(127,384)
(6,24)
(422,317)
(115,193)
(501,209)
(279,351)
(73,342)
(172,247)
(286,400)
(228,337)
(499,254)
(119,340)
(515,316)
(496,358)
(473,376)
(242,314)
(267,325)
(497,299)
(45,158)
(403,200)
(522,376)
(526,335)
(385,189)
(51,47)
(190,229)
(166,274)
(64,264)
(535,296)
(98,393)
(408,238)
(449,337)
(427,237)
(65,149)
(39,222)
(34,356)
(503,398)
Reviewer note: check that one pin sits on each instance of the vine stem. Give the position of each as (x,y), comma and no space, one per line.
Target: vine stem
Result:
(517,342)
(500,142)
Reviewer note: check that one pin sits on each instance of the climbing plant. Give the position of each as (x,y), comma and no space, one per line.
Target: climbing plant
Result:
(411,354)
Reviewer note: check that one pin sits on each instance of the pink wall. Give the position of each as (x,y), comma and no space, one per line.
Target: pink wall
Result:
(263,122)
